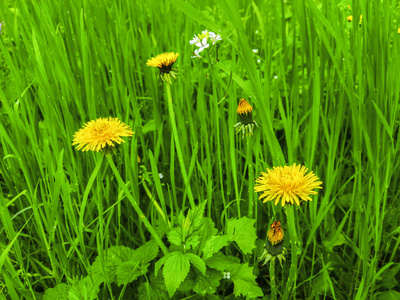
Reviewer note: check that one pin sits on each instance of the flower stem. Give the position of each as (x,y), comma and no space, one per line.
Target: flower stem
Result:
(178,145)
(136,207)
(272,278)
(291,282)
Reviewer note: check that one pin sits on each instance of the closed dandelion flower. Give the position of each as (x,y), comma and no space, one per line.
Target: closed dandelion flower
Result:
(101,134)
(246,124)
(273,247)
(164,63)
(288,184)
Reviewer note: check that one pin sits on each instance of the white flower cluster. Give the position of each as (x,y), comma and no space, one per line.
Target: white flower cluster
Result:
(202,41)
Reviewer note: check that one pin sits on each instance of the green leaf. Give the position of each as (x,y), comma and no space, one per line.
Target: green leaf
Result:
(176,268)
(207,284)
(84,289)
(197,262)
(130,271)
(388,295)
(206,230)
(175,236)
(214,244)
(113,257)
(60,292)
(192,242)
(196,215)
(222,263)
(244,233)
(245,282)
(154,289)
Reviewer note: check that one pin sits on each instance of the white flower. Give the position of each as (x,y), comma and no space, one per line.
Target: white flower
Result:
(227,275)
(161,176)
(203,44)
(202,41)
(255,50)
(195,40)
(196,54)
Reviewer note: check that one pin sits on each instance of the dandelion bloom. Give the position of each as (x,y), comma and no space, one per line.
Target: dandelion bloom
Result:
(273,247)
(275,234)
(246,124)
(290,184)
(164,63)
(101,133)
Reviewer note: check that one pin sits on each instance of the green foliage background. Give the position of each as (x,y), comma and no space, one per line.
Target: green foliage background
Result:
(325,93)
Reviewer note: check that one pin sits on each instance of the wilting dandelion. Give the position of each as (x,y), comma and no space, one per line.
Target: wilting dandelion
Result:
(273,247)
(164,63)
(288,184)
(101,133)
(246,123)
(202,41)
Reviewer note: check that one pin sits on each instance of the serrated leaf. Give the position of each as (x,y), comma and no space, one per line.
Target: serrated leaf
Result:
(130,271)
(59,292)
(196,215)
(176,268)
(154,289)
(192,242)
(197,262)
(146,253)
(113,257)
(160,263)
(222,263)
(388,295)
(245,282)
(206,230)
(84,289)
(175,236)
(207,284)
(244,233)
(214,244)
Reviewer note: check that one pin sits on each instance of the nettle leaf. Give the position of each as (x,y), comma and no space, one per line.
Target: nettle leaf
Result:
(192,242)
(175,236)
(214,244)
(59,292)
(207,284)
(245,282)
(222,263)
(197,262)
(113,257)
(196,215)
(176,268)
(84,289)
(130,271)
(153,289)
(244,233)
(206,230)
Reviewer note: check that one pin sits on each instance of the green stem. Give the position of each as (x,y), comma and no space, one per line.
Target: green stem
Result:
(272,278)
(289,210)
(155,203)
(136,207)
(178,146)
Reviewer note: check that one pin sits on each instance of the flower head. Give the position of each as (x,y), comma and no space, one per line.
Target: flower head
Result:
(164,62)
(101,133)
(273,247)
(246,124)
(275,233)
(202,41)
(290,184)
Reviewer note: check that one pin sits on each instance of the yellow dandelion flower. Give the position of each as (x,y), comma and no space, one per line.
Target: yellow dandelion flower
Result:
(244,107)
(246,124)
(164,62)
(101,133)
(275,234)
(290,184)
(349,18)
(398,30)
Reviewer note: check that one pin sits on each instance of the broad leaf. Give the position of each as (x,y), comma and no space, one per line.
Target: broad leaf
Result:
(197,262)
(207,284)
(175,236)
(222,263)
(130,271)
(244,233)
(60,292)
(245,282)
(176,268)
(214,244)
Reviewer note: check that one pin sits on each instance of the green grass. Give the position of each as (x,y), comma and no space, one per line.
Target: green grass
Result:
(325,93)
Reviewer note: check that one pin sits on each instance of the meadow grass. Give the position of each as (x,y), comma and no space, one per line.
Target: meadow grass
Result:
(325,93)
